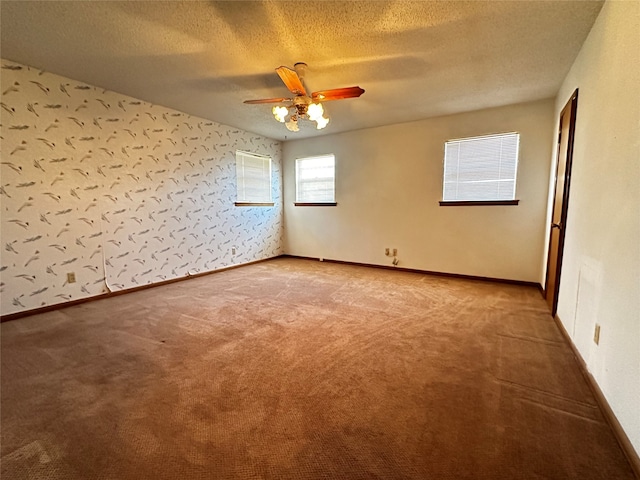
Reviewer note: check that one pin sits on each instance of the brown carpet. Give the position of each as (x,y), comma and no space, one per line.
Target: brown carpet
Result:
(296,369)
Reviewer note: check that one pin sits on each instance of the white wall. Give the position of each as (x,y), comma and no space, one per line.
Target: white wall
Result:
(600,280)
(389,183)
(121,192)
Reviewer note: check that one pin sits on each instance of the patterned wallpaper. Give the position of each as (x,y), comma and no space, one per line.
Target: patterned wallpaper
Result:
(118,191)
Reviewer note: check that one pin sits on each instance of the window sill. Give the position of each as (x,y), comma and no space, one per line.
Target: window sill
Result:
(315,204)
(478,203)
(254,204)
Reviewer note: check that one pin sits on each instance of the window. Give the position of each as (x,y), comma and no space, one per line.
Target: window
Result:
(481,170)
(253,175)
(315,181)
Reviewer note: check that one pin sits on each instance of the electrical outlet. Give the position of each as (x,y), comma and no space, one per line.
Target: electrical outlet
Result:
(71,277)
(395,252)
(386,252)
(233,250)
(596,335)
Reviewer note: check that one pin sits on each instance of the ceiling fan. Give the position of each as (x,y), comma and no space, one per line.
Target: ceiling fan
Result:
(303,106)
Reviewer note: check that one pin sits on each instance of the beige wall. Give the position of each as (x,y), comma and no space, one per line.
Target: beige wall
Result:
(389,183)
(600,279)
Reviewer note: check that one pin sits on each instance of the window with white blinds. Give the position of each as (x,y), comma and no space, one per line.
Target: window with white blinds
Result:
(481,168)
(315,179)
(253,175)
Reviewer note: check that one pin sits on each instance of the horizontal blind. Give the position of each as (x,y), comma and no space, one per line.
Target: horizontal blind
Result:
(315,179)
(481,168)
(253,174)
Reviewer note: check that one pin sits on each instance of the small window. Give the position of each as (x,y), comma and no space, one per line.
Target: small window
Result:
(253,175)
(481,169)
(315,180)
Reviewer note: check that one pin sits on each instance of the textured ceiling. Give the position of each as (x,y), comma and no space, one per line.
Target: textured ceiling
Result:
(414,59)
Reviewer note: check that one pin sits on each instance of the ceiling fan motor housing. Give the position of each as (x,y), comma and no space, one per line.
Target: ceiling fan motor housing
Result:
(301,103)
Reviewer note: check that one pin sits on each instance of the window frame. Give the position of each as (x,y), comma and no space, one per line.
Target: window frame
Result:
(253,203)
(482,202)
(298,203)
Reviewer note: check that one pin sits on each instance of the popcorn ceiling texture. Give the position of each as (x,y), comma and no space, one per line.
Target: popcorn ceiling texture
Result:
(415,59)
(121,192)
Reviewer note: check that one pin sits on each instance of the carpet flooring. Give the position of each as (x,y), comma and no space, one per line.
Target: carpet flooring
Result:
(297,369)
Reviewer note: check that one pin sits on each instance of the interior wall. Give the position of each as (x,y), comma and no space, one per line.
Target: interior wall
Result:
(120,192)
(388,188)
(600,279)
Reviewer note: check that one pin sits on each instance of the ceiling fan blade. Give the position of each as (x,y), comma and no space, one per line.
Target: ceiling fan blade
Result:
(291,79)
(337,94)
(268,100)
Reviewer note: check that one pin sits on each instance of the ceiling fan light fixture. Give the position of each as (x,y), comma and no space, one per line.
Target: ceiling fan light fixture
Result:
(315,111)
(322,122)
(292,124)
(280,113)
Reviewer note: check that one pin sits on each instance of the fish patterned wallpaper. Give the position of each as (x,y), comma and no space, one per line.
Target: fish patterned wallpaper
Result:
(121,192)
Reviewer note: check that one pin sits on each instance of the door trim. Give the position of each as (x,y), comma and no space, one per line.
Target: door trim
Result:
(572,107)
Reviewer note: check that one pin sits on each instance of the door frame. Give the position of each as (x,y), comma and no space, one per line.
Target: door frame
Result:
(571,107)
